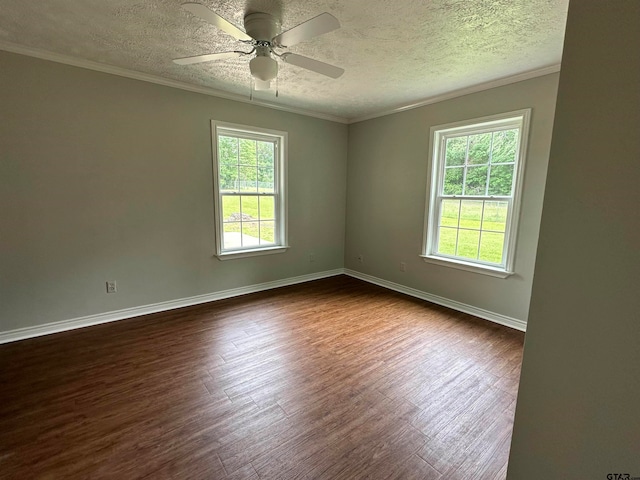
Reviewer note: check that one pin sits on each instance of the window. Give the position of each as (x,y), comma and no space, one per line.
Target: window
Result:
(249,183)
(477,169)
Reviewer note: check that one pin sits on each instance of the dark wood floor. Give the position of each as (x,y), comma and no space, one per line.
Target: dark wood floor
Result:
(330,379)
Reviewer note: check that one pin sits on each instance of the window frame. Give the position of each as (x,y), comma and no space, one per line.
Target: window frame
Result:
(280,140)
(438,136)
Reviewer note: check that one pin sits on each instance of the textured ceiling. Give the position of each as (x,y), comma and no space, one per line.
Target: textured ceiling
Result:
(395,52)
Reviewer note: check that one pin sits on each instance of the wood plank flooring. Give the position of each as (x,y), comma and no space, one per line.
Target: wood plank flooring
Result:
(332,379)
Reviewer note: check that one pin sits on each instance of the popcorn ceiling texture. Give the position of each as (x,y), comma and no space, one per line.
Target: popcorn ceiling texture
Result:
(394,52)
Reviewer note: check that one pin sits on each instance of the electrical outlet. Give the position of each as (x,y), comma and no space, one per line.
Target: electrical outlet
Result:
(361,258)
(112,287)
(403,267)
(312,258)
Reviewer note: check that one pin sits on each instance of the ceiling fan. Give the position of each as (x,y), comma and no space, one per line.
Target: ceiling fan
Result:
(262,32)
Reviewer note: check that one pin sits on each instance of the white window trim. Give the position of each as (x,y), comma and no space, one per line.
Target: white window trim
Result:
(281,245)
(437,134)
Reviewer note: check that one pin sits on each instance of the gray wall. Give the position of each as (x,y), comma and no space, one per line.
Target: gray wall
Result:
(578,411)
(108,178)
(386,196)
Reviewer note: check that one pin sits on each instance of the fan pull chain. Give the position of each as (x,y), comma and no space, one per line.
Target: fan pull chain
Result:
(276,87)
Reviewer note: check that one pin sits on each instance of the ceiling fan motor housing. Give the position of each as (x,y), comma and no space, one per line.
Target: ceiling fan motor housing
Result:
(261,26)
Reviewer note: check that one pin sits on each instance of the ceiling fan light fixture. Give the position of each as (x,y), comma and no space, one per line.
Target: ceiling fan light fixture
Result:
(263,68)
(260,85)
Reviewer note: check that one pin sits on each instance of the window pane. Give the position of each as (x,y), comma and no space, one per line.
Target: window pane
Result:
(447,241)
(471,214)
(230,208)
(468,243)
(266,154)
(476,181)
(491,245)
(231,236)
(267,207)
(501,180)
(456,151)
(248,152)
(249,208)
(248,179)
(495,216)
(250,235)
(453,181)
(504,146)
(228,177)
(228,150)
(449,213)
(479,146)
(267,234)
(265,180)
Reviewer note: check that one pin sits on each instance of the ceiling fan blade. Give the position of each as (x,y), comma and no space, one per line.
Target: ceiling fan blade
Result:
(323,23)
(206,58)
(313,65)
(261,84)
(214,19)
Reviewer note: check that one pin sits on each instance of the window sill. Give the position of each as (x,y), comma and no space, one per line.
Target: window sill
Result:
(251,253)
(469,267)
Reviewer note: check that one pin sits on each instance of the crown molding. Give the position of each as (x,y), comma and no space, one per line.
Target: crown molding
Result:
(145,77)
(500,82)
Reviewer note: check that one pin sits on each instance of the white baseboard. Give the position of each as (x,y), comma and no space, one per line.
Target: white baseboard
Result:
(80,322)
(461,307)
